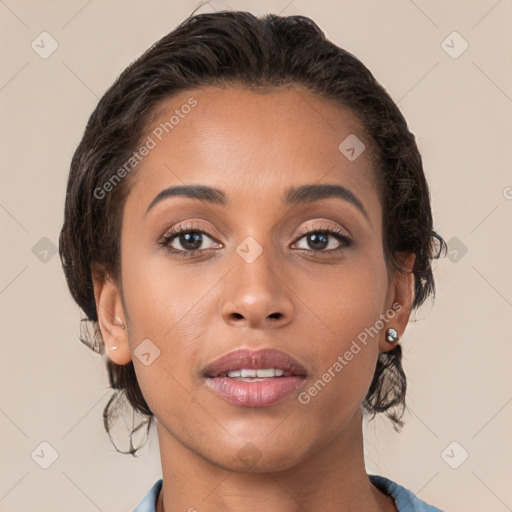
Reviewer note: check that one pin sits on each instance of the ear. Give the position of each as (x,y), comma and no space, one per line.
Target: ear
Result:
(111,317)
(400,299)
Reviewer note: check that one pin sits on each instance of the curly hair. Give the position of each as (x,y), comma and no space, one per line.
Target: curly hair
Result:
(237,48)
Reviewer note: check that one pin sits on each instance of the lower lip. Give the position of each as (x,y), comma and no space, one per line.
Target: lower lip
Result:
(261,393)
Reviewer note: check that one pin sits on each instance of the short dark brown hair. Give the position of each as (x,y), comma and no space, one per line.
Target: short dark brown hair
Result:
(240,49)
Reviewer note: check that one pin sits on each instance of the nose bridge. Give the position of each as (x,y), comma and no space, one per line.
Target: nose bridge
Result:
(255,294)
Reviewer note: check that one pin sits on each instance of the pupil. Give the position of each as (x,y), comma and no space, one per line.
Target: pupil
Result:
(191,241)
(314,240)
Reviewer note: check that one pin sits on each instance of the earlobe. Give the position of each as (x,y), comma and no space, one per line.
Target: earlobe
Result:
(399,304)
(111,318)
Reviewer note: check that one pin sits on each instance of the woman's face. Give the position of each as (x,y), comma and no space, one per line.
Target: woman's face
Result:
(253,278)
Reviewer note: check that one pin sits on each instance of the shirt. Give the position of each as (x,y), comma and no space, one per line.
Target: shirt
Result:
(405,500)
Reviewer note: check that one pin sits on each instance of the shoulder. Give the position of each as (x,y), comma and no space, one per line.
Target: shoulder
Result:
(148,504)
(405,500)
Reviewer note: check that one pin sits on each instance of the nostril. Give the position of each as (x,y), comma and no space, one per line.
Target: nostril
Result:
(276,315)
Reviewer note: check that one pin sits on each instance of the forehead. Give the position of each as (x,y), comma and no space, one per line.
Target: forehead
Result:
(251,141)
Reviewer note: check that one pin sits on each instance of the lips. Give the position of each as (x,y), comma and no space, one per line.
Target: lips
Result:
(255,378)
(255,360)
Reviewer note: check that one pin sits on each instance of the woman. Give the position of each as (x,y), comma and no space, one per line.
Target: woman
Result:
(248,228)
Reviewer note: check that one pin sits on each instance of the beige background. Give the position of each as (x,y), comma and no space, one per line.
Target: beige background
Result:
(457,354)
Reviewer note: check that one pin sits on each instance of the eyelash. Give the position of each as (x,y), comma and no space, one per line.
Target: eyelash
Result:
(191,228)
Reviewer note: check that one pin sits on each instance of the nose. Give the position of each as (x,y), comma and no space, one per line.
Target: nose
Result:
(256,295)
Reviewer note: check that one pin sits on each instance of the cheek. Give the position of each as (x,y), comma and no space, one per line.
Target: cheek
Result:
(163,299)
(343,326)
(170,304)
(343,301)
(166,305)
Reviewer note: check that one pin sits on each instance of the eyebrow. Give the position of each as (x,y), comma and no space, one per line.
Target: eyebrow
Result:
(201,192)
(311,193)
(293,196)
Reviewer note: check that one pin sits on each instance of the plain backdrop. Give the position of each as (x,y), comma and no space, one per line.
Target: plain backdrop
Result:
(455,91)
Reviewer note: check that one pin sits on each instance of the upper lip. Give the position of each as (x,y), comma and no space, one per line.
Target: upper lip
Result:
(254,359)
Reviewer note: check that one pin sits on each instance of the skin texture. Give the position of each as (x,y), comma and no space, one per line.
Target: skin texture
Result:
(310,303)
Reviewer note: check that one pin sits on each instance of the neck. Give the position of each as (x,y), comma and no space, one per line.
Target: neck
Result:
(331,479)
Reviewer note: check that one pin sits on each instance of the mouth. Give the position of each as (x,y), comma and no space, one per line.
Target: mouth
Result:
(255,378)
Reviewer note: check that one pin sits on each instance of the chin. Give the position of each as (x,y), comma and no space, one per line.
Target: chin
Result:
(260,456)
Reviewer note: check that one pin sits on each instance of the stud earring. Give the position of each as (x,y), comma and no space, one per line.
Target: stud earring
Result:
(391,335)
(113,348)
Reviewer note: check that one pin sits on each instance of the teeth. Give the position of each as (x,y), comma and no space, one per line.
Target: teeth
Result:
(262,373)
(266,373)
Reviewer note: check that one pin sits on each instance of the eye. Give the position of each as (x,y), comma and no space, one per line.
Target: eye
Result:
(328,239)
(187,240)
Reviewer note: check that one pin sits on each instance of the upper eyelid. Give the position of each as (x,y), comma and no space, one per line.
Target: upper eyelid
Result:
(302,231)
(328,227)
